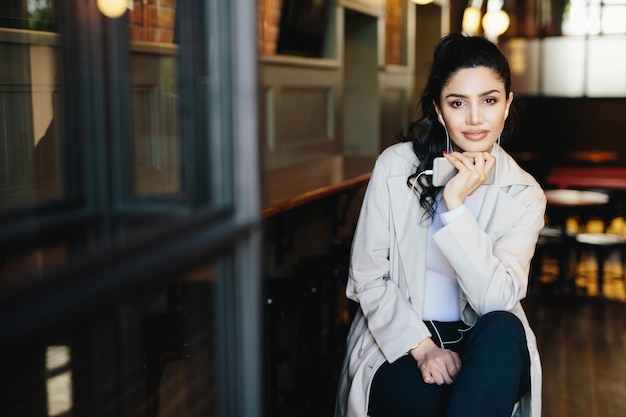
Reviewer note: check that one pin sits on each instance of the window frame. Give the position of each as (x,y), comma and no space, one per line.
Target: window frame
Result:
(222,212)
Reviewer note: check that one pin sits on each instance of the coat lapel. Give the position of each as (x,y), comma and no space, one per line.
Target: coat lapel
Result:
(499,210)
(498,213)
(411,237)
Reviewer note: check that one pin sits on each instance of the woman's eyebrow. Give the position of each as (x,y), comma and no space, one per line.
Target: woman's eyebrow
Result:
(486,93)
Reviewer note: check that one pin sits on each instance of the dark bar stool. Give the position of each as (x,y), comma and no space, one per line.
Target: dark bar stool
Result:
(602,245)
(553,243)
(285,305)
(329,314)
(565,204)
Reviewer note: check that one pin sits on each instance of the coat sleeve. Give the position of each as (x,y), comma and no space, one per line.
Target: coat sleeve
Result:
(492,270)
(391,318)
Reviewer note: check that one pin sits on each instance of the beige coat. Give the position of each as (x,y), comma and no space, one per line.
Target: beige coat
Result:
(491,255)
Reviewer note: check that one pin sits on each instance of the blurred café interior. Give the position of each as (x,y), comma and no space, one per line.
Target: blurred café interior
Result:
(179,183)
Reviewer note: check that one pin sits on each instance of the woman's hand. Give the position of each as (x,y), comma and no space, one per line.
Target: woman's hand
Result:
(474,169)
(438,366)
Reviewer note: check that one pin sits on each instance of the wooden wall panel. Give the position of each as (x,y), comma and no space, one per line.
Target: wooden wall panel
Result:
(395,105)
(300,109)
(304,114)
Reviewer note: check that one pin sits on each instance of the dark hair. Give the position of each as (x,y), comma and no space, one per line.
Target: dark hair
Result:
(453,53)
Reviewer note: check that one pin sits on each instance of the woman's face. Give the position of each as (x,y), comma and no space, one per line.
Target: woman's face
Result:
(474,107)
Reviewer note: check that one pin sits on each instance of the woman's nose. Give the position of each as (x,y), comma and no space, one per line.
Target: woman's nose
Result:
(475,116)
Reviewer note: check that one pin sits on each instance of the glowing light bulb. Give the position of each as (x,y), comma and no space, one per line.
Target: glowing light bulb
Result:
(496,23)
(471,20)
(422,2)
(112,8)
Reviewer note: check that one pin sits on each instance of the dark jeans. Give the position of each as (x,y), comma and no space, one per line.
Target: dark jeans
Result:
(495,373)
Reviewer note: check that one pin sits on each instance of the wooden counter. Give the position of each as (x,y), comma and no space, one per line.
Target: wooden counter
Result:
(288,187)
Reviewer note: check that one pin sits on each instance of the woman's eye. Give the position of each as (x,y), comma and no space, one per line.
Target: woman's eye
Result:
(457,103)
(490,100)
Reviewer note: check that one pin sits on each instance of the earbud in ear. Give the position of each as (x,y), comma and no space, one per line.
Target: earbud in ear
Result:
(441,119)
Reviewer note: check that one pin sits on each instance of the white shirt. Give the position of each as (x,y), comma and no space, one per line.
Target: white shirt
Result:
(442,290)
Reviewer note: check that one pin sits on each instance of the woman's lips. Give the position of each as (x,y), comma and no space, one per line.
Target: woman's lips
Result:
(475,134)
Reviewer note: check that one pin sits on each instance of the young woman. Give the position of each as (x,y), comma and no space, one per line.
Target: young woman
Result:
(439,272)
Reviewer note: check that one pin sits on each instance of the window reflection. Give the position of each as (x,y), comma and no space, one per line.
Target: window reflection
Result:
(27,14)
(40,15)
(31,161)
(150,353)
(59,380)
(29,137)
(46,154)
(28,267)
(155,109)
(155,98)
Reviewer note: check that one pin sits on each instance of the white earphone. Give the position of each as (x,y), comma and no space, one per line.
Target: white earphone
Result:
(443,123)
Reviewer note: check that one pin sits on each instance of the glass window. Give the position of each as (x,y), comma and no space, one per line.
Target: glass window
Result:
(605,67)
(614,18)
(593,17)
(154,75)
(129,255)
(40,15)
(29,103)
(148,354)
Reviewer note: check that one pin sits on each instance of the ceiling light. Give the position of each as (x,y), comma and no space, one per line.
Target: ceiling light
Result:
(471,20)
(496,23)
(113,8)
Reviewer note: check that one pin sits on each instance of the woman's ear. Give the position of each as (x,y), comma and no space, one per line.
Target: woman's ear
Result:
(509,100)
(439,116)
